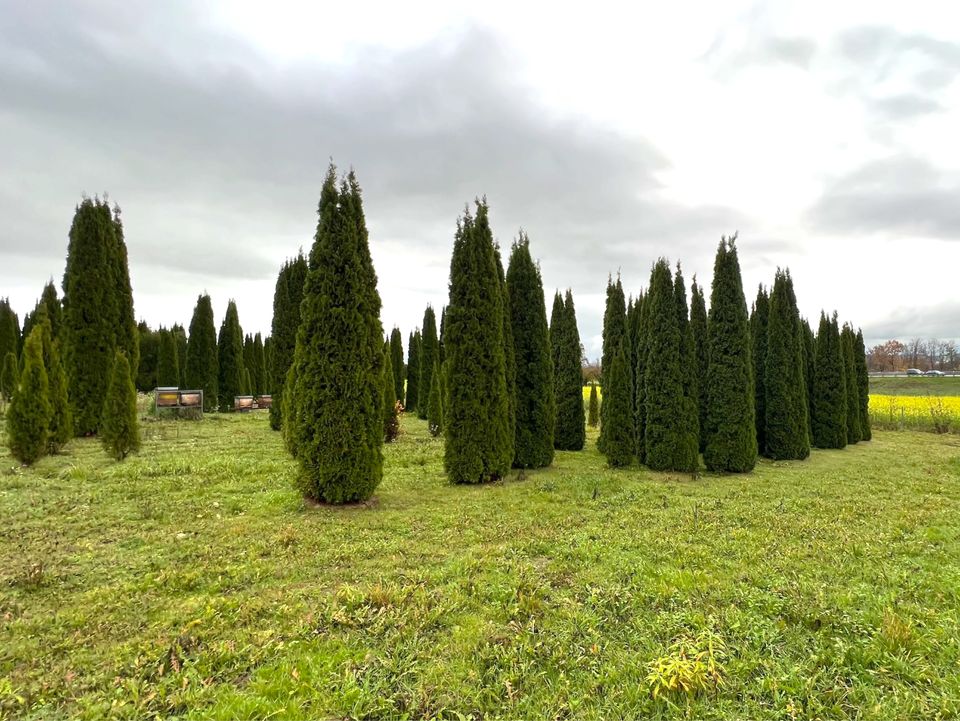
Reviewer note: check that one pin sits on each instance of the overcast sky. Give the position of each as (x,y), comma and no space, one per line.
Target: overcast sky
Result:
(824,132)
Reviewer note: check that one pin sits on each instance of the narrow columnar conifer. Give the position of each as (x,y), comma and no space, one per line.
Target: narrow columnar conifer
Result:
(168,363)
(863,386)
(536,411)
(149,356)
(413,370)
(126,337)
(441,355)
(258,371)
(632,334)
(829,387)
(9,329)
(593,413)
(396,362)
(435,410)
(848,341)
(689,451)
(283,331)
(698,329)
(248,364)
(614,331)
(180,341)
(786,426)
(642,342)
(50,304)
(10,376)
(202,367)
(569,432)
(478,428)
(119,428)
(60,427)
(758,334)
(617,424)
(230,358)
(429,348)
(391,415)
(28,417)
(509,351)
(333,416)
(730,421)
(810,362)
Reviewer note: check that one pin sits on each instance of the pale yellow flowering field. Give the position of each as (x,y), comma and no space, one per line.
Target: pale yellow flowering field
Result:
(925,413)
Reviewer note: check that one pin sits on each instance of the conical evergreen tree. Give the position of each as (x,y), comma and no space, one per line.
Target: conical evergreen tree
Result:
(758,333)
(258,371)
(202,368)
(248,380)
(810,360)
(477,424)
(440,351)
(333,395)
(396,362)
(435,411)
(509,351)
(120,429)
(429,350)
(149,357)
(413,371)
(690,423)
(180,341)
(9,329)
(698,329)
(829,388)
(863,386)
(848,340)
(617,425)
(634,308)
(614,331)
(283,331)
(168,364)
(569,432)
(60,426)
(786,425)
(50,304)
(642,342)
(230,358)
(126,338)
(536,411)
(730,421)
(28,418)
(391,416)
(593,416)
(10,376)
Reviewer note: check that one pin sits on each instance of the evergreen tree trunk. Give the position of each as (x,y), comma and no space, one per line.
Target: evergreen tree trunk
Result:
(28,418)
(202,365)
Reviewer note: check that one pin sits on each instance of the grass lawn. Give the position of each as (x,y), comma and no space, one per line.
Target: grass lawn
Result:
(192,581)
(915,386)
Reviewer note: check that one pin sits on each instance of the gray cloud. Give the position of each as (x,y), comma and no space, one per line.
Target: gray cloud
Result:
(941,320)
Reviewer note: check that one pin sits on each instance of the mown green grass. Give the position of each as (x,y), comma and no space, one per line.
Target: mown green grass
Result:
(915,385)
(191,581)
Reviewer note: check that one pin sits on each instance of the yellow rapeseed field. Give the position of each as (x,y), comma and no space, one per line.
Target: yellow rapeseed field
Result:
(926,413)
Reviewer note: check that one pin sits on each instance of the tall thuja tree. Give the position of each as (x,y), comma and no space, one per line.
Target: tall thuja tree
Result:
(863,385)
(593,416)
(829,387)
(50,304)
(435,406)
(60,427)
(758,334)
(614,331)
(536,411)
(413,370)
(9,329)
(230,358)
(690,422)
(149,356)
(28,418)
(180,342)
(126,336)
(9,376)
(258,372)
(97,305)
(848,340)
(617,425)
(202,366)
(120,428)
(698,330)
(669,443)
(809,367)
(509,350)
(632,331)
(786,426)
(477,424)
(642,342)
(429,349)
(333,415)
(569,433)
(168,363)
(283,331)
(396,362)
(391,416)
(731,431)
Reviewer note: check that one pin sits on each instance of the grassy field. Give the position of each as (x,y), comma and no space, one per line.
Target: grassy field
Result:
(191,581)
(915,386)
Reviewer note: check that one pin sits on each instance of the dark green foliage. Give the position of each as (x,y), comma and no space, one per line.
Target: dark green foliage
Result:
(634,309)
(149,357)
(9,376)
(97,309)
(119,428)
(9,329)
(477,424)
(246,386)
(758,334)
(396,363)
(28,418)
(50,304)
(202,369)
(863,386)
(258,370)
(391,414)
(180,341)
(689,452)
(809,359)
(435,410)
(698,329)
(829,388)
(730,421)
(569,433)
(509,351)
(168,363)
(443,321)
(287,298)
(642,342)
(536,412)
(230,358)
(848,341)
(670,436)
(60,428)
(786,426)
(618,420)
(413,371)
(593,414)
(333,416)
(429,352)
(249,382)
(614,331)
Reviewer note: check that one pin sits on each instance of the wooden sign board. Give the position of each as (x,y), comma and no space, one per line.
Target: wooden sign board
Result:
(264,401)
(243,403)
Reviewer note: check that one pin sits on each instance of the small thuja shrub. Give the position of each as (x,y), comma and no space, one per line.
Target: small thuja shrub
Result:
(593,414)
(119,429)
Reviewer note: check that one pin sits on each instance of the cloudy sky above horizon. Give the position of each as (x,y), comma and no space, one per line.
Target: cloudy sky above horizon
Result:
(823,133)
